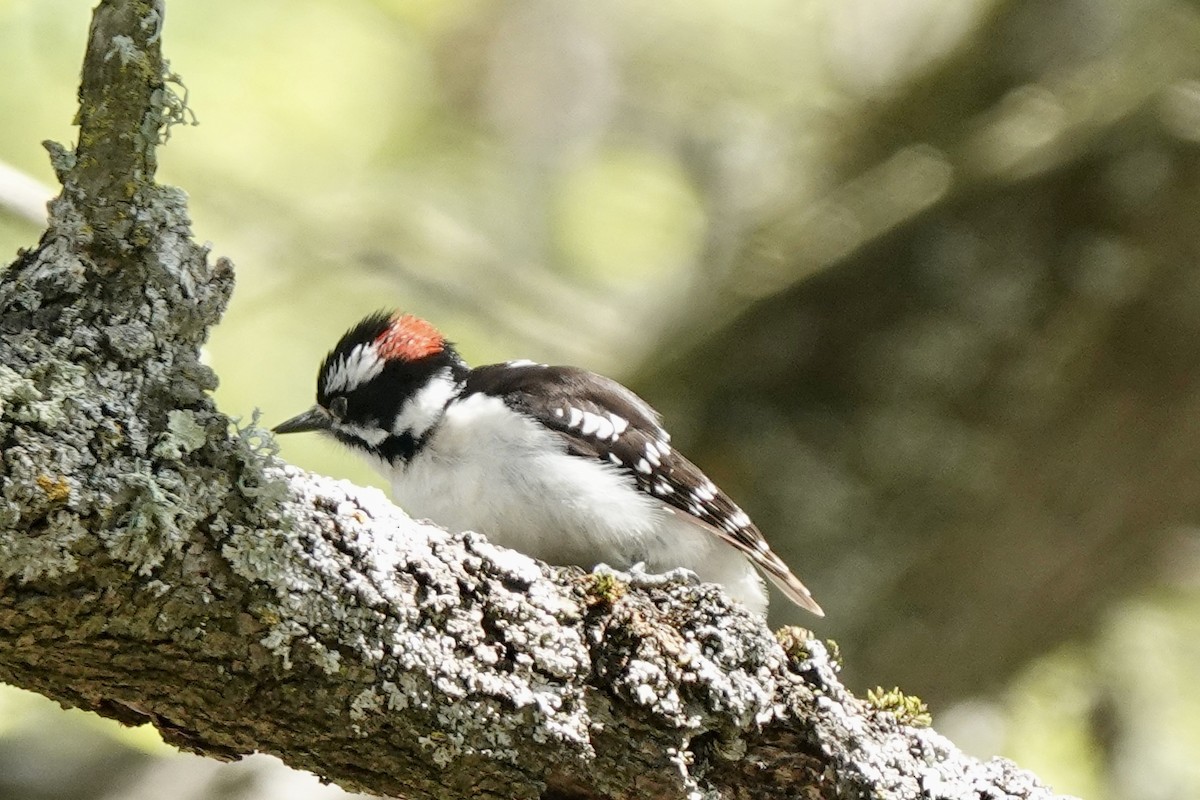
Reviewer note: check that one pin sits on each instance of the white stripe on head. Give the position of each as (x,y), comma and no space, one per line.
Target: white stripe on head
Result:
(421,411)
(358,366)
(373,437)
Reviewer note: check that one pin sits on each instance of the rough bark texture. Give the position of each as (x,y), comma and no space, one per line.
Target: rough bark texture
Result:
(157,564)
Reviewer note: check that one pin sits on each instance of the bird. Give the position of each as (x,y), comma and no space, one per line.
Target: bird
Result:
(557,462)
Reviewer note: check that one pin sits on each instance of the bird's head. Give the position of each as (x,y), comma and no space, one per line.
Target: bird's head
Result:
(384,387)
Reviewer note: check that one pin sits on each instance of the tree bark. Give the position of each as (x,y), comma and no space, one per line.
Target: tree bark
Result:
(158,563)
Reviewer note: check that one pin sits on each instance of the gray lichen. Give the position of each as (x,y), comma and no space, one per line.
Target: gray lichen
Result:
(451,625)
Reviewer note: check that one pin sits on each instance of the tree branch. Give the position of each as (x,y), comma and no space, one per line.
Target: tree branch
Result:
(123,82)
(157,565)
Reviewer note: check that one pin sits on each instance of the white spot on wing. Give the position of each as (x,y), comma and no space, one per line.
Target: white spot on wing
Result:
(576,418)
(591,423)
(619,424)
(652,454)
(643,466)
(613,458)
(558,412)
(604,427)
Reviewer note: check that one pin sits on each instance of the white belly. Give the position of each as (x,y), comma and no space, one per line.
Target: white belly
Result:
(512,480)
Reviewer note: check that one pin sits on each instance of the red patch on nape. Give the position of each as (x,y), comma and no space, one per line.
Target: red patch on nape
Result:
(409,338)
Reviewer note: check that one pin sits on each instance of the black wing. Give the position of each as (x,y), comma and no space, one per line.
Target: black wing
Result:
(599,418)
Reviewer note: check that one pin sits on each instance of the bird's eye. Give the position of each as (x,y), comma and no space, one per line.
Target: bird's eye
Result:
(337,407)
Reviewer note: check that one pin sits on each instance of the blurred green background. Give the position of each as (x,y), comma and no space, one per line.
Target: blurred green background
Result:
(915,280)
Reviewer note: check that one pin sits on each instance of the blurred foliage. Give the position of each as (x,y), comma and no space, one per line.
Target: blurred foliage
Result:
(914,279)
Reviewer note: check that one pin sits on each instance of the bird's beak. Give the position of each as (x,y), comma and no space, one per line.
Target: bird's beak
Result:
(315,419)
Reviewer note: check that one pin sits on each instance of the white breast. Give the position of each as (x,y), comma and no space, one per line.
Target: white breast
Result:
(491,470)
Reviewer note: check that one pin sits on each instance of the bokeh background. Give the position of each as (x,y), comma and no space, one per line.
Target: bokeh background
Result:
(915,280)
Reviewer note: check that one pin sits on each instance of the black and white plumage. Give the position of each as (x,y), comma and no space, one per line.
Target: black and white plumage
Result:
(556,462)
